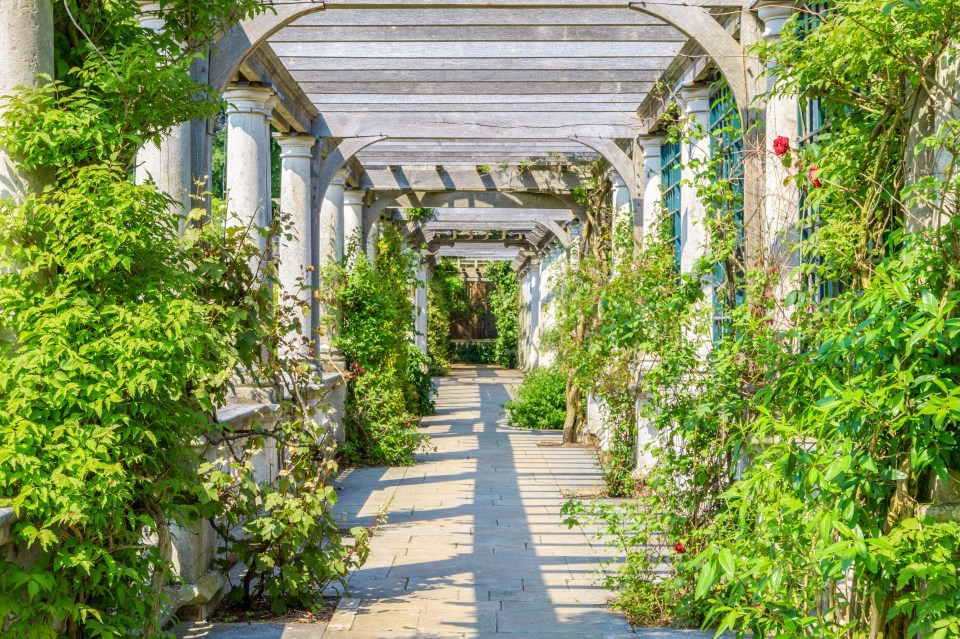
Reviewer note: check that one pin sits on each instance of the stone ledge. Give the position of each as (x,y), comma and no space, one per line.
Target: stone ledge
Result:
(7,519)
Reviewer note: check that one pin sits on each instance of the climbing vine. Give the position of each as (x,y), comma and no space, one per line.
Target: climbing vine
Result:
(505,303)
(444,296)
(371,313)
(801,453)
(124,333)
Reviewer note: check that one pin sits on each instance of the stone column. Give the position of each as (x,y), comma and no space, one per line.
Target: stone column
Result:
(781,201)
(331,220)
(26,50)
(168,164)
(420,308)
(536,300)
(650,146)
(696,98)
(248,158)
(621,216)
(329,250)
(295,250)
(373,236)
(353,218)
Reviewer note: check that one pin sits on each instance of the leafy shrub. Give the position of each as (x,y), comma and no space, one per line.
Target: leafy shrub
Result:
(389,387)
(475,353)
(540,401)
(443,297)
(505,304)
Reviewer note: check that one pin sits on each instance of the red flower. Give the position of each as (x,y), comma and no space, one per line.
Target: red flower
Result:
(680,548)
(812,174)
(781,145)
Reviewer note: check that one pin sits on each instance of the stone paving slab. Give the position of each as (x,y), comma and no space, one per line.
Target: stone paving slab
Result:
(474,546)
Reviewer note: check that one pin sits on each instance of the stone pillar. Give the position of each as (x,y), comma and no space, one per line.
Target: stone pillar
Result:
(650,146)
(353,219)
(781,201)
(295,250)
(168,164)
(420,308)
(621,217)
(26,50)
(330,249)
(696,98)
(248,158)
(373,237)
(331,220)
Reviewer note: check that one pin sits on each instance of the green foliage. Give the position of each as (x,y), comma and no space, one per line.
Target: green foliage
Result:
(444,295)
(420,214)
(540,401)
(795,463)
(390,387)
(476,353)
(123,334)
(505,304)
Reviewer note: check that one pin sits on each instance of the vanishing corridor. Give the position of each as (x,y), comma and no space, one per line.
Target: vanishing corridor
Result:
(475,544)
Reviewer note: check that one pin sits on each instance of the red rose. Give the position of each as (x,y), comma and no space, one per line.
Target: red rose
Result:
(781,145)
(679,547)
(812,174)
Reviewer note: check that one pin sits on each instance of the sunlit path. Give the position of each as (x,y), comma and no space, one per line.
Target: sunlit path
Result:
(475,544)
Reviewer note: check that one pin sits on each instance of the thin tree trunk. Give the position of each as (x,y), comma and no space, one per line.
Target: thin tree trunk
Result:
(570,430)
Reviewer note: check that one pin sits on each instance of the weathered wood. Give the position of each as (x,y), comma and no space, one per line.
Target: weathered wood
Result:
(489,90)
(616,35)
(515,4)
(452,16)
(338,158)
(619,160)
(521,214)
(478,158)
(656,50)
(295,109)
(619,60)
(235,45)
(467,179)
(454,126)
(703,28)
(479,75)
(492,203)
(479,251)
(391,99)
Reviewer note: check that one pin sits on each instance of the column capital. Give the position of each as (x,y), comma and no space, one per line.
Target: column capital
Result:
(650,145)
(615,179)
(150,15)
(247,99)
(354,196)
(340,177)
(696,98)
(294,145)
(773,14)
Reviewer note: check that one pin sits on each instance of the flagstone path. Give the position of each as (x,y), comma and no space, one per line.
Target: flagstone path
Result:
(474,545)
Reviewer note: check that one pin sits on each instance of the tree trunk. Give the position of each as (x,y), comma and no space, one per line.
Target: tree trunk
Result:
(570,424)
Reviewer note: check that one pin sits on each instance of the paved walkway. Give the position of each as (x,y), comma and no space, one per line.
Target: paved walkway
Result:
(474,545)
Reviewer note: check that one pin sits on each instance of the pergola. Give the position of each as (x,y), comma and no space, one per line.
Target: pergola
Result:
(424,102)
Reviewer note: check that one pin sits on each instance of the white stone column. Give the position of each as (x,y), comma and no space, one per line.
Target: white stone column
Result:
(248,158)
(26,50)
(169,163)
(373,236)
(420,308)
(621,217)
(650,146)
(295,249)
(781,200)
(696,98)
(331,220)
(353,218)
